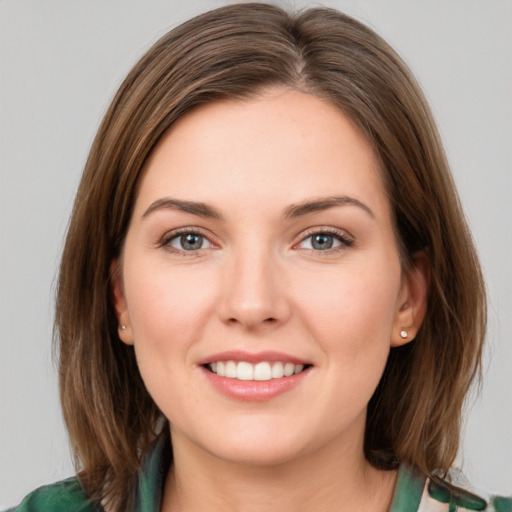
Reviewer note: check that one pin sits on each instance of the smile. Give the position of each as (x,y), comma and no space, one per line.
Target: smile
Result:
(254,377)
(264,370)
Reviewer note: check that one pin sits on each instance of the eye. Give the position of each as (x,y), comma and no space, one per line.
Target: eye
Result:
(188,241)
(324,241)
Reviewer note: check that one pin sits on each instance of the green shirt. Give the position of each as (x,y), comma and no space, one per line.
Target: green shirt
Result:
(413,492)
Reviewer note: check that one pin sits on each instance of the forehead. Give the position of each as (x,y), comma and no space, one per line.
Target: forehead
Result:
(280,146)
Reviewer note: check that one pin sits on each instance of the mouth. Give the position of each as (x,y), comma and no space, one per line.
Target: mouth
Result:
(254,377)
(261,371)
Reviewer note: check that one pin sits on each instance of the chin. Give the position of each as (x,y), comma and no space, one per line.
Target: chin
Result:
(262,445)
(260,454)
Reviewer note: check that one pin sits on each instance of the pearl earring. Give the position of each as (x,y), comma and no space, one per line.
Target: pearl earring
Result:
(122,327)
(404,334)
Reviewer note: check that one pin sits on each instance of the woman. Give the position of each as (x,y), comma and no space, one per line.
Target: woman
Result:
(268,297)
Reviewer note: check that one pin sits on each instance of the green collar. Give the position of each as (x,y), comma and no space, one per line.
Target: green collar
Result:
(408,490)
(152,475)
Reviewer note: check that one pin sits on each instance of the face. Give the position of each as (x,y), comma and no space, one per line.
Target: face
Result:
(260,281)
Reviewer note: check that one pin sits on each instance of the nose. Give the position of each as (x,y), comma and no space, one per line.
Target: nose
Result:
(253,292)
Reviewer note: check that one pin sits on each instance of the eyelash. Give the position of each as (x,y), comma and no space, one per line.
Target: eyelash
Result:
(345,241)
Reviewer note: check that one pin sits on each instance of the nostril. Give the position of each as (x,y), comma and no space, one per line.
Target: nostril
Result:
(268,320)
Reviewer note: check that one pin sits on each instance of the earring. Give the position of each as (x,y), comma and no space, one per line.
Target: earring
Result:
(404,334)
(122,327)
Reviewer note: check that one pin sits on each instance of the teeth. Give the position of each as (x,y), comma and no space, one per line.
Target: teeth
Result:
(260,371)
(244,371)
(230,370)
(277,370)
(289,368)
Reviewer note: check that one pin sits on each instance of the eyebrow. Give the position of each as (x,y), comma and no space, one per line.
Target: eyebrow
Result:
(292,211)
(297,210)
(195,208)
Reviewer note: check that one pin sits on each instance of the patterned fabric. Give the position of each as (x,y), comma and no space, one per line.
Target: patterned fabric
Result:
(416,493)
(413,492)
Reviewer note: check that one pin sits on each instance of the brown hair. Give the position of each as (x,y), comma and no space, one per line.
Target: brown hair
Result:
(234,52)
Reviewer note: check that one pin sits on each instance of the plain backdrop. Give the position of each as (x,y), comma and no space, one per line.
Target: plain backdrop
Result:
(60,63)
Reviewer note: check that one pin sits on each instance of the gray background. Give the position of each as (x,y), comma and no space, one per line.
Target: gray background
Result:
(60,63)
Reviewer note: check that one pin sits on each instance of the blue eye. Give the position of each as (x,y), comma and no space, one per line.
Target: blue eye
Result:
(324,241)
(189,242)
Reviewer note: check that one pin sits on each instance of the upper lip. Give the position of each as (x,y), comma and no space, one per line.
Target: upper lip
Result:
(252,357)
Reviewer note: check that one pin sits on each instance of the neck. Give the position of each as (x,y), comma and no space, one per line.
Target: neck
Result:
(334,478)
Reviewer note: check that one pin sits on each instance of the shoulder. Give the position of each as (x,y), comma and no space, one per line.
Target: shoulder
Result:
(65,496)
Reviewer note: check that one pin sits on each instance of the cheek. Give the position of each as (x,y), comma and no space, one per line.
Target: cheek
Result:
(352,312)
(168,312)
(168,309)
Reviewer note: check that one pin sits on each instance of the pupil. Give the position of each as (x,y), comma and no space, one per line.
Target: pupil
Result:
(322,241)
(191,241)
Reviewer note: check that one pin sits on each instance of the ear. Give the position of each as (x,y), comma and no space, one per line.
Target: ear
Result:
(412,300)
(124,328)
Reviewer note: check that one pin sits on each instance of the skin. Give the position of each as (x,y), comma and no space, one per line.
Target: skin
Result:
(256,284)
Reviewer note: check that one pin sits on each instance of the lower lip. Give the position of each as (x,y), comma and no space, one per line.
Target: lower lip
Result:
(255,390)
